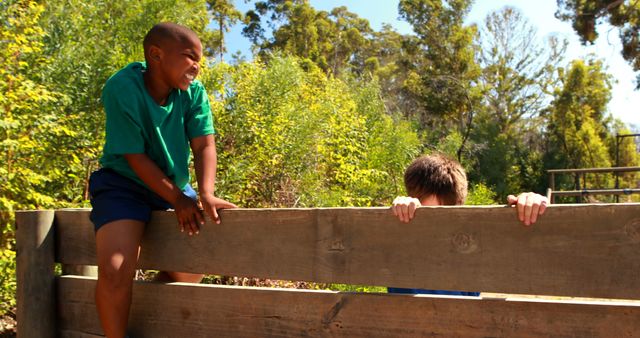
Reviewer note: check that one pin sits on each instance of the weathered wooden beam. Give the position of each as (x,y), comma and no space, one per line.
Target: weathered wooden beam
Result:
(36,298)
(573,250)
(188,310)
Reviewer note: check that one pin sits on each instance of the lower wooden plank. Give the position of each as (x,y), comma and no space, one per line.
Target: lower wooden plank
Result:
(186,310)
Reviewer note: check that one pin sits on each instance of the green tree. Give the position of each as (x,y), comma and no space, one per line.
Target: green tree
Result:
(294,137)
(518,72)
(28,124)
(225,15)
(332,40)
(627,155)
(391,63)
(517,69)
(352,36)
(445,73)
(585,15)
(577,127)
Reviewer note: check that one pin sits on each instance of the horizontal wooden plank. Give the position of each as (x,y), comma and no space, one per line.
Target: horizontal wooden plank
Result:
(187,310)
(574,250)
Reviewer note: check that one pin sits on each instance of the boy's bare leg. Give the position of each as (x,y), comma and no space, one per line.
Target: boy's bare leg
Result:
(183,277)
(118,247)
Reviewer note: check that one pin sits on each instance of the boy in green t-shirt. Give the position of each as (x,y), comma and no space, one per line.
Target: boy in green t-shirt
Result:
(155,114)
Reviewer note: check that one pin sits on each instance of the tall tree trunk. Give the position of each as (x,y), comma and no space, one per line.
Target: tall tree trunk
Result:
(221,30)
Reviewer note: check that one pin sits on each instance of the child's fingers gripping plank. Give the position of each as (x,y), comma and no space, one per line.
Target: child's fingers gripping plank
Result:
(210,205)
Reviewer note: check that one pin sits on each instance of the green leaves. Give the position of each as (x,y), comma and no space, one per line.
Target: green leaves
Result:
(335,41)
(290,137)
(444,67)
(23,123)
(27,122)
(224,15)
(585,16)
(578,124)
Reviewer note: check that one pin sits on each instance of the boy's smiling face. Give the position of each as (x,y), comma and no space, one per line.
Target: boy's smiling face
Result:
(180,62)
(176,63)
(172,53)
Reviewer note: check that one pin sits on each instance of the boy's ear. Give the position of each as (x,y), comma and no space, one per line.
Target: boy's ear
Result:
(155,53)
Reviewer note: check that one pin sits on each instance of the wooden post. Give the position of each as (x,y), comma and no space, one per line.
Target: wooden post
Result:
(35,274)
(577,184)
(552,198)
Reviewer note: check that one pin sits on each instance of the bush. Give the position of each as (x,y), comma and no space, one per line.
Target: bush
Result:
(480,194)
(290,137)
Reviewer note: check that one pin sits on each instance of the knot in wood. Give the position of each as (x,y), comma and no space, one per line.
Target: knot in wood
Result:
(464,243)
(337,245)
(632,229)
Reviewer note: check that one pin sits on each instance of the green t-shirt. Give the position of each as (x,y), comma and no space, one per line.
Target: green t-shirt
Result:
(136,124)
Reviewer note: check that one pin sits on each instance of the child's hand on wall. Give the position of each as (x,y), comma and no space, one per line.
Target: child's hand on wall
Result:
(210,204)
(189,215)
(528,205)
(405,207)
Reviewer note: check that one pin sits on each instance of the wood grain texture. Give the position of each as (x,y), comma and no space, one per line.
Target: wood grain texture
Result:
(573,250)
(183,310)
(35,252)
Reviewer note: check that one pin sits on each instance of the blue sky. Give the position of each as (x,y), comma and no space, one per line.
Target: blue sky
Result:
(625,100)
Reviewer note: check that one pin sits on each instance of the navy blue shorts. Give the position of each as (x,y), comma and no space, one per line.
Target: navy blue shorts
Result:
(115,197)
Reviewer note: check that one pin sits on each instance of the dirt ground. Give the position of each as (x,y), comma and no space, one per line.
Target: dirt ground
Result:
(8,326)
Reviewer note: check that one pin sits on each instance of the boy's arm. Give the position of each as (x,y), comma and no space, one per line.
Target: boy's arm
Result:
(528,205)
(187,212)
(204,155)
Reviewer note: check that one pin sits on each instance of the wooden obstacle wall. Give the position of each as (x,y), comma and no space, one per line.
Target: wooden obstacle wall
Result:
(573,251)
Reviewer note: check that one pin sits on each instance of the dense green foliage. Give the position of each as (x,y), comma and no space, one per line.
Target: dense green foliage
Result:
(293,137)
(328,112)
(585,15)
(30,122)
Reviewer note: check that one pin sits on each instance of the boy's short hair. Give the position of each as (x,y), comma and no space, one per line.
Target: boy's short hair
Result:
(167,31)
(436,175)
